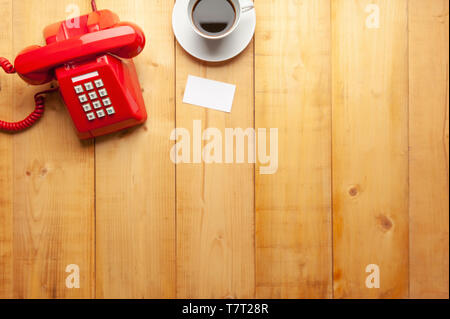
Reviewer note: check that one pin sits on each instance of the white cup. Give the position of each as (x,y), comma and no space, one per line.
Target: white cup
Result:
(240,6)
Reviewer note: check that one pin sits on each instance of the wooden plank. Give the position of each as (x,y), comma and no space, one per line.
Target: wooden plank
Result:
(135,177)
(215,207)
(53,178)
(428,122)
(6,156)
(293,94)
(370,147)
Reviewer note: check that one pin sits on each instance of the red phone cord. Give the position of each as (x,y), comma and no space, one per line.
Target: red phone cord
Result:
(34,116)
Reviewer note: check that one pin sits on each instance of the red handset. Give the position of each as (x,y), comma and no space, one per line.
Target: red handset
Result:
(91,59)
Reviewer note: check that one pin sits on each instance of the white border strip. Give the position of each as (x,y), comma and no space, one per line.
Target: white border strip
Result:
(85,77)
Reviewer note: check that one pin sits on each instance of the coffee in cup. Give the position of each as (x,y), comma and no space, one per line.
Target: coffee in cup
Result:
(216,19)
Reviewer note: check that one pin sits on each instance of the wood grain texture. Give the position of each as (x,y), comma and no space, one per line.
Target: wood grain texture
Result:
(215,207)
(370,148)
(135,177)
(53,181)
(428,122)
(6,157)
(293,94)
(344,98)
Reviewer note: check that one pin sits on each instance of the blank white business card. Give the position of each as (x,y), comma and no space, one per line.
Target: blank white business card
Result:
(209,94)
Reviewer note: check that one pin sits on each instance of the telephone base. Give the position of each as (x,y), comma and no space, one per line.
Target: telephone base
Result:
(103,96)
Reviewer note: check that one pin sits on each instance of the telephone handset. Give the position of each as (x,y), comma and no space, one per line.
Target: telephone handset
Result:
(91,59)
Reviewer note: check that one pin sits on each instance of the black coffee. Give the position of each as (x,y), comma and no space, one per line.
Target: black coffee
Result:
(214,17)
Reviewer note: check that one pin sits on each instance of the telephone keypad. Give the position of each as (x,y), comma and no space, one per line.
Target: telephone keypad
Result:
(93,95)
(89,86)
(97,108)
(79,89)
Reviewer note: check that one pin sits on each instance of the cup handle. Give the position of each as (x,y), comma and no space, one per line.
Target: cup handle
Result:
(247,5)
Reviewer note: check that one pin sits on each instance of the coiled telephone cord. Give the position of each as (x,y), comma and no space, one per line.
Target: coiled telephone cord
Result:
(31,119)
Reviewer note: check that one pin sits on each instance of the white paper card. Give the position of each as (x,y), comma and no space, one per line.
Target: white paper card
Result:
(210,94)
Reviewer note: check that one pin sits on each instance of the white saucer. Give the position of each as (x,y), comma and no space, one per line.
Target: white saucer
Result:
(211,50)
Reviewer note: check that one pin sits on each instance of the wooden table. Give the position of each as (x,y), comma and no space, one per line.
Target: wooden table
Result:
(361,107)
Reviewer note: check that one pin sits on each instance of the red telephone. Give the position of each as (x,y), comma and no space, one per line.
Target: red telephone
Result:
(92,63)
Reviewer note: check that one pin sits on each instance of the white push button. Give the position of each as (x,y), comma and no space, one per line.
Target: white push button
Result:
(93,95)
(110,111)
(79,89)
(97,104)
(106,102)
(98,83)
(83,98)
(101,113)
(87,107)
(102,92)
(91,116)
(89,86)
